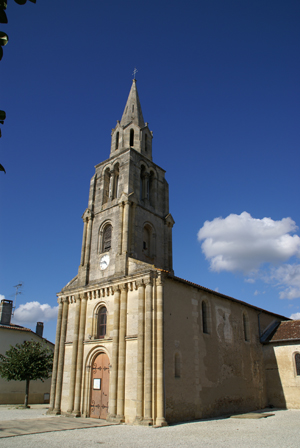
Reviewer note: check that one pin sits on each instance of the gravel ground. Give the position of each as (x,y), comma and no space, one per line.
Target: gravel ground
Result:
(280,430)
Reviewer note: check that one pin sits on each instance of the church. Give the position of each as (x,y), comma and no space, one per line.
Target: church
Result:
(135,343)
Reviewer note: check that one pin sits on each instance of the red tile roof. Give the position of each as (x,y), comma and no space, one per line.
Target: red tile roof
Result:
(287,331)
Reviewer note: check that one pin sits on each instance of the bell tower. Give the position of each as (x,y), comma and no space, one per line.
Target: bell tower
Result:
(127,223)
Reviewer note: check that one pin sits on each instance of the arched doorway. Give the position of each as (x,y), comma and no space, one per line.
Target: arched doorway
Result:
(99,387)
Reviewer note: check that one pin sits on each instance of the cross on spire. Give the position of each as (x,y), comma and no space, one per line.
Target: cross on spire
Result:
(134,72)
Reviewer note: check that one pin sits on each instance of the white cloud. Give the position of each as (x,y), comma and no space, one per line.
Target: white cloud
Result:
(243,243)
(32,312)
(295,316)
(2,297)
(287,277)
(256,293)
(249,280)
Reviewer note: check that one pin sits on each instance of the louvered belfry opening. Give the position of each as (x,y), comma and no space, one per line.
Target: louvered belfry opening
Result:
(107,238)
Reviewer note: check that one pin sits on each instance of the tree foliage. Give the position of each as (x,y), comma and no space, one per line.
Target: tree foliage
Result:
(28,361)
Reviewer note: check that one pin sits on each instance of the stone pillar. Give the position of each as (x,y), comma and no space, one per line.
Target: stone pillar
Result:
(74,355)
(120,230)
(140,355)
(79,366)
(132,233)
(170,248)
(126,228)
(122,354)
(61,356)
(160,417)
(88,241)
(148,353)
(113,382)
(83,243)
(111,184)
(56,353)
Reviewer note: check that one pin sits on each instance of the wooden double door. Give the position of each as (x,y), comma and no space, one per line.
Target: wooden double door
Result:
(99,387)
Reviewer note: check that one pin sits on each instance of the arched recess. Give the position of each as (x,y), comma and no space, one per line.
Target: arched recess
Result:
(149,241)
(131,138)
(106,185)
(117,140)
(297,363)
(105,237)
(97,367)
(246,327)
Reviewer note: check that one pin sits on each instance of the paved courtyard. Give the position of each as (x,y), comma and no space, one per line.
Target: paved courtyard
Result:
(33,427)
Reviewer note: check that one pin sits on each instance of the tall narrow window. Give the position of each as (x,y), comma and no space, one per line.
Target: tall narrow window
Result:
(204,317)
(132,108)
(297,362)
(131,137)
(117,140)
(107,238)
(146,142)
(106,185)
(147,240)
(101,327)
(246,327)
(177,365)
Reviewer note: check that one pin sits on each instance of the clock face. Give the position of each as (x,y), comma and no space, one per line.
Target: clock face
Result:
(104,262)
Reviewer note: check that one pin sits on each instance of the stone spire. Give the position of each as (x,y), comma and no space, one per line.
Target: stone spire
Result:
(133,111)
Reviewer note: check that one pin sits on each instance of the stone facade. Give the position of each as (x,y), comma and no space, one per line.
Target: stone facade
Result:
(176,351)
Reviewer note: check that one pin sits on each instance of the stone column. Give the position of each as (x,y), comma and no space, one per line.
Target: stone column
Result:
(56,353)
(170,248)
(148,353)
(74,355)
(125,228)
(88,242)
(83,243)
(122,354)
(140,355)
(120,230)
(79,366)
(113,382)
(132,234)
(160,418)
(61,356)
(111,184)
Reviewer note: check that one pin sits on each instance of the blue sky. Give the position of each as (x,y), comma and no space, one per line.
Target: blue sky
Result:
(219,85)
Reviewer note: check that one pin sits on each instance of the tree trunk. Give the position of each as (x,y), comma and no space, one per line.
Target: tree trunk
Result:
(26,393)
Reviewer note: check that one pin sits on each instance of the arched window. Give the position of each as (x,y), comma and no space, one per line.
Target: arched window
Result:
(297,363)
(106,241)
(117,140)
(101,323)
(106,185)
(146,142)
(131,137)
(177,365)
(246,327)
(204,317)
(147,240)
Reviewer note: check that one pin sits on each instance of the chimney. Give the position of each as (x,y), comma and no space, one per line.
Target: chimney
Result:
(39,328)
(6,307)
